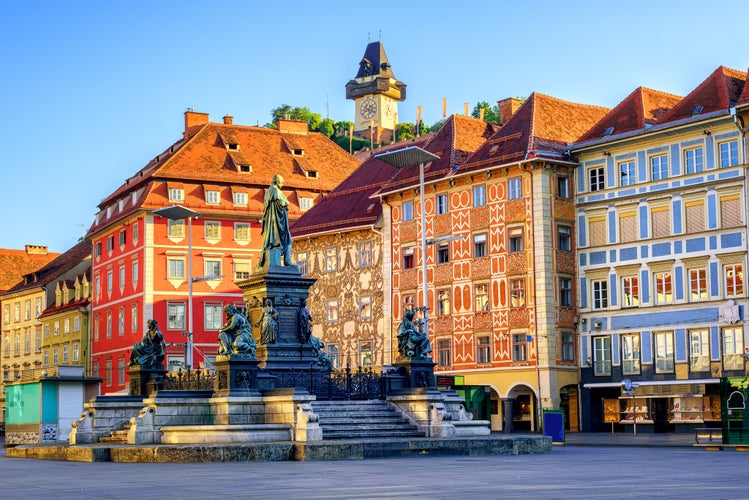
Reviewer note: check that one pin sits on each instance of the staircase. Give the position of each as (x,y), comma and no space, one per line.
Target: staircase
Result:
(116,437)
(362,420)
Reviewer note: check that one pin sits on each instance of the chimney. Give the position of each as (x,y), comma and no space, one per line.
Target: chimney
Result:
(228,120)
(36,250)
(292,126)
(193,119)
(507,108)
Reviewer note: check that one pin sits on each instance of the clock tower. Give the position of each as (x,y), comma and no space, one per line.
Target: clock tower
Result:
(376,94)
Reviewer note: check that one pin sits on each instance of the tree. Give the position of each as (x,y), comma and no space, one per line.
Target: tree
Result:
(404,131)
(343,128)
(314,120)
(327,127)
(491,113)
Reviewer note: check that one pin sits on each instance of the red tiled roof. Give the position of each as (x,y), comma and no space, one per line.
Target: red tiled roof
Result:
(73,304)
(454,143)
(14,264)
(720,91)
(640,108)
(744,99)
(54,269)
(349,205)
(203,158)
(541,128)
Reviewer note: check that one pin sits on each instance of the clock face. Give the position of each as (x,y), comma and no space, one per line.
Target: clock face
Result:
(368,108)
(388,109)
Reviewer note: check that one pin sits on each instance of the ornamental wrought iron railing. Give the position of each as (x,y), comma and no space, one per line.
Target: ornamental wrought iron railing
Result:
(189,380)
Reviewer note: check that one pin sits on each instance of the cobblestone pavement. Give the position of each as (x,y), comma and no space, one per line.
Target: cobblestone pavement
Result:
(577,471)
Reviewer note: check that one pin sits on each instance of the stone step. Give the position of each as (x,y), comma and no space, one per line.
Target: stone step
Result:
(362,419)
(343,419)
(370,434)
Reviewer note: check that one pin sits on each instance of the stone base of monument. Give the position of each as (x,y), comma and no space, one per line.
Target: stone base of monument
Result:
(465,425)
(425,407)
(236,375)
(215,434)
(419,372)
(102,415)
(145,380)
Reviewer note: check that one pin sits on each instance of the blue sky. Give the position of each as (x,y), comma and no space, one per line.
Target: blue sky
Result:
(91,90)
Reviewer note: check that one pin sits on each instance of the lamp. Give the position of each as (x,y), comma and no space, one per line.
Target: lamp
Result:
(407,157)
(178,212)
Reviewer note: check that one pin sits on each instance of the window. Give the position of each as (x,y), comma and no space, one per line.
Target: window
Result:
(76,353)
(479,195)
(734,277)
(17,312)
(122,277)
(241,270)
(408,258)
(134,318)
(630,354)
(730,211)
(331,259)
(176,194)
(331,310)
(135,232)
(65,354)
(365,254)
(517,292)
(601,356)
(443,302)
(564,238)
(241,231)
(408,210)
(600,294)
(123,238)
(627,173)
(443,252)
(408,302)
(176,228)
(693,160)
(441,201)
(596,179)
(365,307)
(515,239)
(97,249)
(121,321)
(694,216)
(729,153)
(483,349)
(663,287)
(661,222)
(305,204)
(630,291)
(38,339)
(27,342)
(481,297)
(134,271)
(6,314)
(110,243)
(627,227)
(95,326)
(334,355)
(108,368)
(108,325)
(27,310)
(77,324)
(212,268)
(56,356)
(45,357)
(479,245)
(699,351)
(110,282)
(565,292)
(301,261)
(365,353)
(514,188)
(697,284)
(175,268)
(519,347)
(214,317)
(664,352)
(240,199)
(121,370)
(212,230)
(568,346)
(563,187)
(212,197)
(597,231)
(659,167)
(443,353)
(175,315)
(733,348)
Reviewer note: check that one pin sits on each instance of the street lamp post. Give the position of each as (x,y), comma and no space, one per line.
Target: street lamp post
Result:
(178,212)
(406,157)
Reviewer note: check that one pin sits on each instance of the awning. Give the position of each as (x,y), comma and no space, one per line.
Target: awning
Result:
(600,385)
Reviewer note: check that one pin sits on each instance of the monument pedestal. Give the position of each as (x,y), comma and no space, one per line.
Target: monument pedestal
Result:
(236,375)
(419,372)
(145,380)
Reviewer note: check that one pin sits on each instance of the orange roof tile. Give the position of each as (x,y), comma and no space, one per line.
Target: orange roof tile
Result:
(14,264)
(51,271)
(719,91)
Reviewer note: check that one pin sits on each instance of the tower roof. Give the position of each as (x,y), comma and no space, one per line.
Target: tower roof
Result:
(375,62)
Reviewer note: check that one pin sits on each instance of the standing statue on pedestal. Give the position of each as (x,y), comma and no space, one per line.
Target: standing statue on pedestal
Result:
(305,323)
(149,352)
(235,337)
(412,342)
(275,225)
(268,323)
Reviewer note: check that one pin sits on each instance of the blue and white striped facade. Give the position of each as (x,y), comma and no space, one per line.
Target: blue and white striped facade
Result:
(661,223)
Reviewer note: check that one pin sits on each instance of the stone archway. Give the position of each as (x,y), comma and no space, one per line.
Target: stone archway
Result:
(520,409)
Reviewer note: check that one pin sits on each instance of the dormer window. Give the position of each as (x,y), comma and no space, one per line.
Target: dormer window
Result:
(305,204)
(212,197)
(176,194)
(232,146)
(608,131)
(240,199)
(493,149)
(121,205)
(697,110)
(297,152)
(312,174)
(244,168)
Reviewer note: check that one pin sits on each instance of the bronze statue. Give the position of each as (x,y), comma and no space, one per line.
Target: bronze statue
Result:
(322,357)
(275,224)
(268,323)
(305,323)
(235,337)
(149,352)
(412,342)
